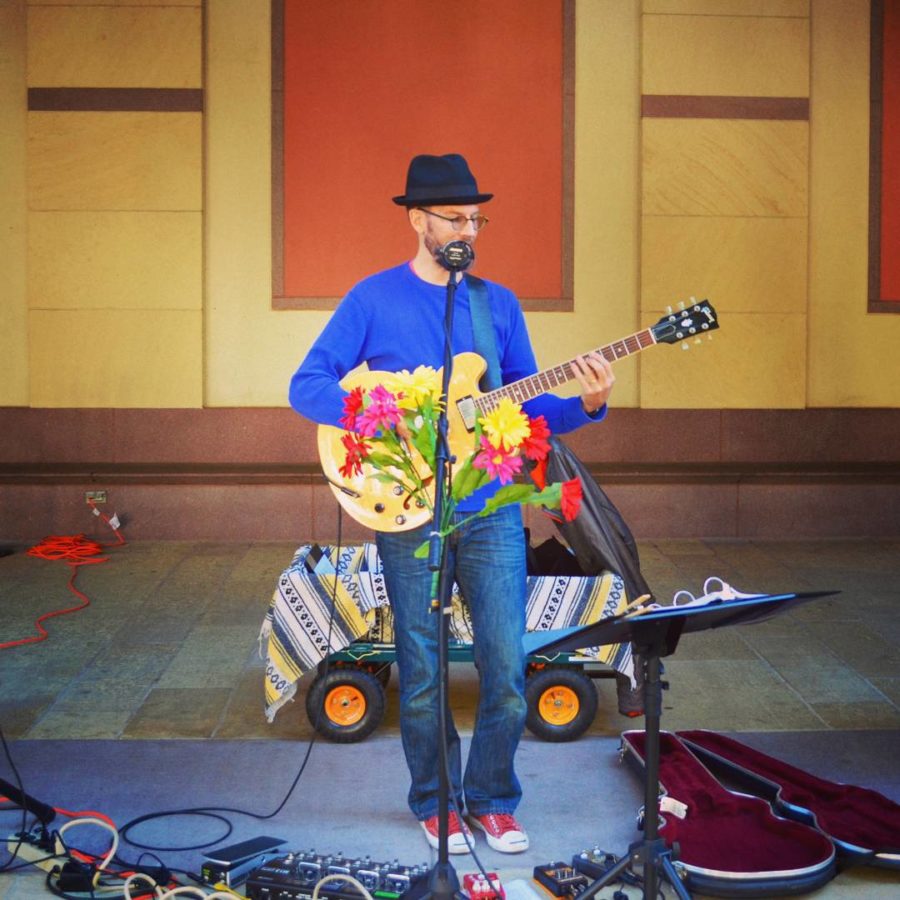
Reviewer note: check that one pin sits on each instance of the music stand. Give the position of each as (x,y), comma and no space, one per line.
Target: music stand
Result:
(654,634)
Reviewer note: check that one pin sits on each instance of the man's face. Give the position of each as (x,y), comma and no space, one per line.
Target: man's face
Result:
(437,231)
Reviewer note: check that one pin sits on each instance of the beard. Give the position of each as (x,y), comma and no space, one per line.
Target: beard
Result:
(432,245)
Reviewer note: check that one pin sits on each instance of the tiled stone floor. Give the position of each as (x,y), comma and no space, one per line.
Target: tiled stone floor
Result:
(168,646)
(168,649)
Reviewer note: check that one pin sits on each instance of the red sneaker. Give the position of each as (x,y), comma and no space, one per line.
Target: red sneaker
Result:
(502,831)
(457,832)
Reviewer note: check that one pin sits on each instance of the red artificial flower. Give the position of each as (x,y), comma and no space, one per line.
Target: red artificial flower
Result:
(570,499)
(539,474)
(356,453)
(353,404)
(535,446)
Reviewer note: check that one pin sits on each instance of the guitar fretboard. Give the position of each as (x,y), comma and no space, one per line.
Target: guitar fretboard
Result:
(544,382)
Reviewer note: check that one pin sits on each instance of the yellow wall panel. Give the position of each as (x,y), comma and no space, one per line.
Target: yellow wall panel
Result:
(115,260)
(13,213)
(738,264)
(106,46)
(114,160)
(753,361)
(116,358)
(724,167)
(726,56)
(115,3)
(854,359)
(728,7)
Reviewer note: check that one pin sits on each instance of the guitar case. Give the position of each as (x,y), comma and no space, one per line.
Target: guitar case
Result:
(729,844)
(863,825)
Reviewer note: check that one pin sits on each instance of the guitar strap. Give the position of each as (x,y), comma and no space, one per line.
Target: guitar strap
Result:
(483,332)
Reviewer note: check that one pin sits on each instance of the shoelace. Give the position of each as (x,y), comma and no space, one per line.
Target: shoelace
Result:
(503,822)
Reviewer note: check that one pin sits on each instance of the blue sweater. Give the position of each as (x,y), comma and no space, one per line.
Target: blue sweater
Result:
(394,320)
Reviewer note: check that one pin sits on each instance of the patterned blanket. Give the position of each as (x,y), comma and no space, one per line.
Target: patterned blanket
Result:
(324,601)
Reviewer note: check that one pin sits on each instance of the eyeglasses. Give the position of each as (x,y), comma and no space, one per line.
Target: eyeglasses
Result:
(458,222)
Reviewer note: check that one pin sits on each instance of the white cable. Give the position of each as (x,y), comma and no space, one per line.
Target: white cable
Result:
(338,877)
(197,892)
(126,888)
(90,820)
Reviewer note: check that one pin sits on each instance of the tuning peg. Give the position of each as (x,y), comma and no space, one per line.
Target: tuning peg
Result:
(681,305)
(685,345)
(698,340)
(669,310)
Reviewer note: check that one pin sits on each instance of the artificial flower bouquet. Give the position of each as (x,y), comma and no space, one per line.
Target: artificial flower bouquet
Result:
(392,428)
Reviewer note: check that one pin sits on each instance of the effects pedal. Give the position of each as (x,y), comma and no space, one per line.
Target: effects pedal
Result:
(476,886)
(232,864)
(595,863)
(294,877)
(560,879)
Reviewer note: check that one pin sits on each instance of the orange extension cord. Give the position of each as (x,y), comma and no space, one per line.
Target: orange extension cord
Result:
(75,551)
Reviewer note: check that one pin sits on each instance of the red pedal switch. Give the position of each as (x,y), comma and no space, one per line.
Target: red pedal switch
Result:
(476,886)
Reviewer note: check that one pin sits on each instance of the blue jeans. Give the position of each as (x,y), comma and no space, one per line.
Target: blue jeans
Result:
(486,558)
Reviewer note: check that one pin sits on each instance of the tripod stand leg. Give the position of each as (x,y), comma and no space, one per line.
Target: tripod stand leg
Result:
(671,875)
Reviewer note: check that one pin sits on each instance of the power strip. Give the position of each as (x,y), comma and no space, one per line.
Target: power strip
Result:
(31,852)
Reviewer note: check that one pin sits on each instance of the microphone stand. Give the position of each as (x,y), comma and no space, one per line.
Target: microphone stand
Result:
(443,883)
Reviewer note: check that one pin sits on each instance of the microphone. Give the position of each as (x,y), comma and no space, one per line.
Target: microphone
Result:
(456,256)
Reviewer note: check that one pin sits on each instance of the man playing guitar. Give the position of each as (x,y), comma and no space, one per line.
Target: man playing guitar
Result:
(394,320)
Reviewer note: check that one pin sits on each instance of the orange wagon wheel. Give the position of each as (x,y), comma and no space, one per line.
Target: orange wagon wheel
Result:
(561,701)
(345,704)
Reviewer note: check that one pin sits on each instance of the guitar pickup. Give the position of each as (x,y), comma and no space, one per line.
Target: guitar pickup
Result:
(468,412)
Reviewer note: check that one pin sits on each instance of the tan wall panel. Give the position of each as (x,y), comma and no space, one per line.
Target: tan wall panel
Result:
(724,167)
(115,2)
(854,359)
(738,264)
(726,56)
(116,358)
(754,361)
(103,46)
(13,214)
(121,160)
(115,260)
(728,7)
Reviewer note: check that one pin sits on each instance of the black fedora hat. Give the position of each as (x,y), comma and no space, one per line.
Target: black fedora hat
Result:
(440,179)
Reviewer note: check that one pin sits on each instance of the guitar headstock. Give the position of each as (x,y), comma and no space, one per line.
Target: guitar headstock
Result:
(682,324)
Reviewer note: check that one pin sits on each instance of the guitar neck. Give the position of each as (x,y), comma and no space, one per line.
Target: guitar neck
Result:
(546,381)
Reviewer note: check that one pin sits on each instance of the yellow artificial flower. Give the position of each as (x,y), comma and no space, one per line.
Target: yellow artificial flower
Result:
(415,387)
(506,425)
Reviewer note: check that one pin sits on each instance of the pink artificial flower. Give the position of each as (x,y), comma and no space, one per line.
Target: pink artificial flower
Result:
(381,413)
(497,463)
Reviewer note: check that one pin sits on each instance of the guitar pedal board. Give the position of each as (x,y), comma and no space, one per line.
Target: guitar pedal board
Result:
(294,876)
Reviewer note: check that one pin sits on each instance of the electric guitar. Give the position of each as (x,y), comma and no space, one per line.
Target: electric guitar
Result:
(384,506)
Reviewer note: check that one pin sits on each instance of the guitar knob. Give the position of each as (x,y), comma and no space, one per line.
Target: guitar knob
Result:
(397,490)
(400,520)
(379,507)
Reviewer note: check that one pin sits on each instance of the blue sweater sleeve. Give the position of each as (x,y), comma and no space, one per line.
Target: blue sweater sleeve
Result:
(315,391)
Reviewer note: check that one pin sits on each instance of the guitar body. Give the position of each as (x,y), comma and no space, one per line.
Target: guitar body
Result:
(377,504)
(386,506)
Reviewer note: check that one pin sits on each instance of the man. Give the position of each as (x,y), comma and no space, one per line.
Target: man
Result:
(394,320)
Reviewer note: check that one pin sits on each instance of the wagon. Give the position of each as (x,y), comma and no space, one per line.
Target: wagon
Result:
(329,617)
